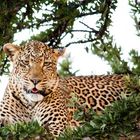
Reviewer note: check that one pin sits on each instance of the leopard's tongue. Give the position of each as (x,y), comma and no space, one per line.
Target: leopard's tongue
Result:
(35,90)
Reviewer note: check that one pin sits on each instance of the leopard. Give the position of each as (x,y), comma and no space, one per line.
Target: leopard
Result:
(36,92)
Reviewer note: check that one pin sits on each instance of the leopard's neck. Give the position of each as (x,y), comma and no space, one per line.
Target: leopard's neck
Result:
(16,91)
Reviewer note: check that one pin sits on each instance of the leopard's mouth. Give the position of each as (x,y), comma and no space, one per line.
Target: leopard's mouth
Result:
(35,91)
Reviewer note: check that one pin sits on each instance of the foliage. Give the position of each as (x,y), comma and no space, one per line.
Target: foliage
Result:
(56,17)
(112,54)
(135,8)
(107,50)
(65,67)
(118,120)
(24,131)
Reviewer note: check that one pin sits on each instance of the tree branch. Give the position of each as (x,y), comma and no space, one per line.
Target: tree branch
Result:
(80,42)
(87,14)
(92,29)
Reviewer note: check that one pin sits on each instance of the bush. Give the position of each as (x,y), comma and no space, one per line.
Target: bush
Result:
(118,120)
(24,131)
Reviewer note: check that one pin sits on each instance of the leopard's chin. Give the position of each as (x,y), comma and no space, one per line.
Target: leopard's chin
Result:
(35,91)
(34,95)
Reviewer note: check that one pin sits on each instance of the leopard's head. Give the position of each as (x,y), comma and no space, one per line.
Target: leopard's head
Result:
(34,68)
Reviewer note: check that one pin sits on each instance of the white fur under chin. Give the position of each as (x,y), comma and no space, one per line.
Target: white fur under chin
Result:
(34,97)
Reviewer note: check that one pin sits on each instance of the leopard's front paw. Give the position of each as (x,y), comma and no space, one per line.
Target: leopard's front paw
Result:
(3,122)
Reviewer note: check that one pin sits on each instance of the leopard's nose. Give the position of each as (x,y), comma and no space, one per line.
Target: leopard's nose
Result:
(35,81)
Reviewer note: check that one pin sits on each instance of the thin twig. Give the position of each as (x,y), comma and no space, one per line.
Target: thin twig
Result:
(80,41)
(89,27)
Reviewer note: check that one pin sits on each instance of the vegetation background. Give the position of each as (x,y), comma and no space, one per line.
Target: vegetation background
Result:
(56,19)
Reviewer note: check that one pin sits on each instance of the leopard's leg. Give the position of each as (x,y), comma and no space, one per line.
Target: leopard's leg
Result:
(52,116)
(13,111)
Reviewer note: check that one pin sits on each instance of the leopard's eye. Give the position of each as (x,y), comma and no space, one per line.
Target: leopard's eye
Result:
(26,62)
(47,63)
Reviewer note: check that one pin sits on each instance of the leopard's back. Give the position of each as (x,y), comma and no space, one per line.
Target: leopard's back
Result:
(97,91)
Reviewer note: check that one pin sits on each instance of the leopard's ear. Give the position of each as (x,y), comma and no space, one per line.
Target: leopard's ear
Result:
(11,50)
(59,52)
